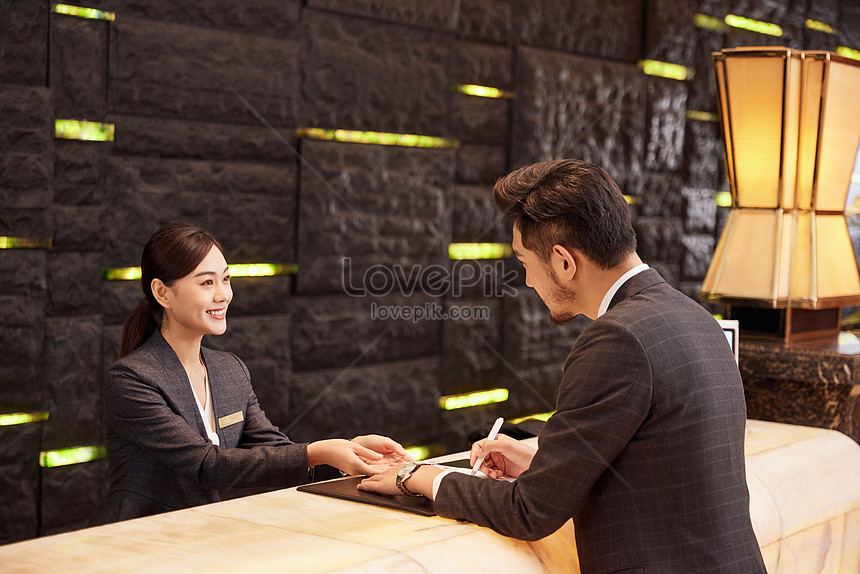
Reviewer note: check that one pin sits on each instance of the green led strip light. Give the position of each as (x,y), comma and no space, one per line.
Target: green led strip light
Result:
(700,116)
(478,398)
(83,130)
(81,12)
(537,417)
(631,200)
(481,91)
(753,25)
(458,251)
(236,270)
(378,138)
(418,452)
(820,26)
(24,243)
(666,70)
(848,52)
(12,419)
(723,199)
(74,455)
(708,22)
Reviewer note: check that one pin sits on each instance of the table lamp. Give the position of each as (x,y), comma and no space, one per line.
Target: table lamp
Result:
(784,265)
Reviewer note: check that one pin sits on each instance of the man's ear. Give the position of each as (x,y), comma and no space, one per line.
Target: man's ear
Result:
(159,291)
(563,262)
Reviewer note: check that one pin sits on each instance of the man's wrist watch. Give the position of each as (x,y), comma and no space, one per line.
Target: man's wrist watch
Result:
(403,475)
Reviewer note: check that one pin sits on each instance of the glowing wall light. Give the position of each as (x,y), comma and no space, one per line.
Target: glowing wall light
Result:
(847,52)
(723,198)
(753,25)
(83,130)
(479,250)
(418,452)
(236,270)
(378,138)
(74,455)
(81,12)
(631,200)
(12,419)
(478,398)
(24,243)
(708,23)
(700,116)
(666,70)
(481,91)
(536,417)
(819,26)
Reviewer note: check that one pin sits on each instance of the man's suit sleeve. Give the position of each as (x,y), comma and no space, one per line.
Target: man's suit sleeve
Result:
(139,411)
(604,396)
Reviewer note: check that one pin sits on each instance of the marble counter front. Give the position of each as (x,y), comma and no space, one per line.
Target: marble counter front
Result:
(805,504)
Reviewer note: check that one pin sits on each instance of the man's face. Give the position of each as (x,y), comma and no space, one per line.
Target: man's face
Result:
(540,277)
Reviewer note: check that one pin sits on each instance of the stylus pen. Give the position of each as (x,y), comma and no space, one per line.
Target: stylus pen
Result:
(492,436)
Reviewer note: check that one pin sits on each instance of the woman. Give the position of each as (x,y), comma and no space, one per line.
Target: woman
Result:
(182,421)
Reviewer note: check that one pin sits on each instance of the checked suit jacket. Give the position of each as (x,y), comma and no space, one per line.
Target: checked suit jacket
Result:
(645,451)
(159,456)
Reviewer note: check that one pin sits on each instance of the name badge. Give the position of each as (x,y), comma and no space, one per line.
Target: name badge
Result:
(236,417)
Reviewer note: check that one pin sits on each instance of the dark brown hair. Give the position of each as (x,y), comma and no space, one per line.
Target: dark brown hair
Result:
(172,252)
(571,203)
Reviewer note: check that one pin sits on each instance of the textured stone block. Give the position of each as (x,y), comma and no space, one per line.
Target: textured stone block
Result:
(78,228)
(119,298)
(176,71)
(471,346)
(21,368)
(260,295)
(74,282)
(487,20)
(477,120)
(375,205)
(79,170)
(78,68)
(475,217)
(458,425)
(362,74)
(658,238)
(398,399)
(26,120)
(534,350)
(698,250)
(669,270)
(434,14)
(609,29)
(209,141)
(70,494)
(576,107)
(480,164)
(849,23)
(23,29)
(254,225)
(19,482)
(667,108)
(276,18)
(661,196)
(73,382)
(481,64)
(22,272)
(338,331)
(700,212)
(704,154)
(780,12)
(25,181)
(668,32)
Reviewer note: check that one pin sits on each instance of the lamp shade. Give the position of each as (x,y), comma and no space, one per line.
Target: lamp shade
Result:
(791,127)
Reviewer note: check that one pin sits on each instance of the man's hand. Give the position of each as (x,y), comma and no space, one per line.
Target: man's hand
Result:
(382,483)
(502,457)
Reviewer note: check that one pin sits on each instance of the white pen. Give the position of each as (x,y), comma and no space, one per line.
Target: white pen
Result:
(492,436)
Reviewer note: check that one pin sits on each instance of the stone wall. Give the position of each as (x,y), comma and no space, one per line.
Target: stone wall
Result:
(206,99)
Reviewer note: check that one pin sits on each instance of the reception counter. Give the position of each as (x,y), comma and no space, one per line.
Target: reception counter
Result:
(805,504)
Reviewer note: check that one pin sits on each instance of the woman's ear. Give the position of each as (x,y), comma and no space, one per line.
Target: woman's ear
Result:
(563,262)
(159,291)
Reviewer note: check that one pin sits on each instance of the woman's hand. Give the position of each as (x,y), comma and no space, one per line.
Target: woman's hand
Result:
(502,457)
(350,456)
(389,449)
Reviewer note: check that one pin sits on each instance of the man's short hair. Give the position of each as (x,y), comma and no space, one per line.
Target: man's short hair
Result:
(571,203)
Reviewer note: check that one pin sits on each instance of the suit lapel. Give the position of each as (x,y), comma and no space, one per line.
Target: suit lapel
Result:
(224,401)
(175,383)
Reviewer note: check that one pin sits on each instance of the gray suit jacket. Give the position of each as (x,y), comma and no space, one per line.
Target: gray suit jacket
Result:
(159,456)
(645,451)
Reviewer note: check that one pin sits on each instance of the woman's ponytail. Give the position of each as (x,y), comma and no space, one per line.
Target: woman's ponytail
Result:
(138,327)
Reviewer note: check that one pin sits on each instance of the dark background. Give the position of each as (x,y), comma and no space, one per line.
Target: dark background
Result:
(187,148)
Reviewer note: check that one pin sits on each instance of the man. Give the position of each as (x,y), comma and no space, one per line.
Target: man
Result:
(646,449)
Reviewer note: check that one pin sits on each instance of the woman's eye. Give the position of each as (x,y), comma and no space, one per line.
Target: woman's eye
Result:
(208,282)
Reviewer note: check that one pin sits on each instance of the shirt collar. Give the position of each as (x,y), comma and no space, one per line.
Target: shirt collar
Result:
(607,299)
